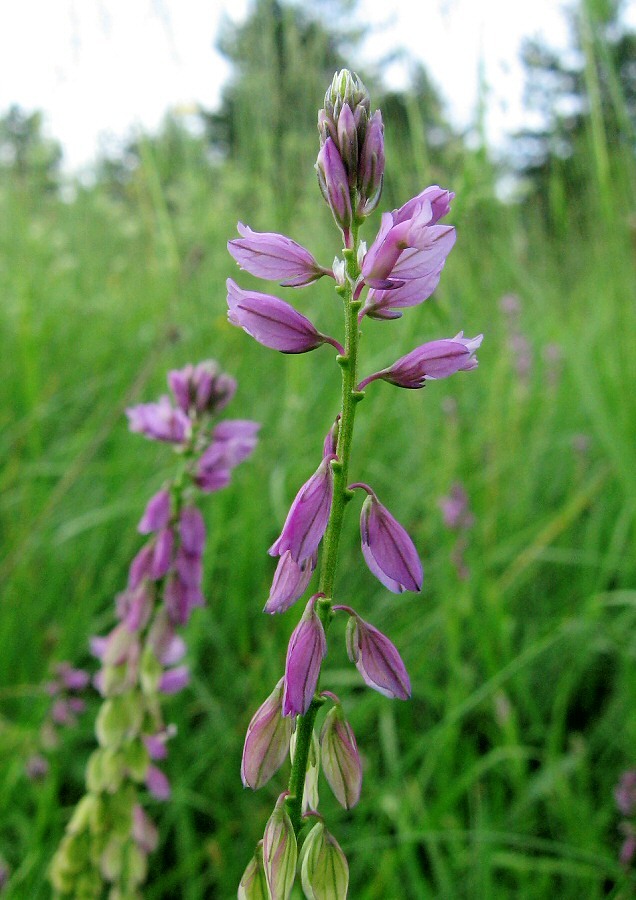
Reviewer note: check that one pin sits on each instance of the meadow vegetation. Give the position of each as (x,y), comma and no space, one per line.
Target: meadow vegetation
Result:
(496,780)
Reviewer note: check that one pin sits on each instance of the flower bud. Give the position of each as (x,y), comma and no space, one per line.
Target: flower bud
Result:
(253,885)
(340,758)
(371,166)
(266,742)
(324,871)
(305,653)
(334,183)
(280,852)
(274,257)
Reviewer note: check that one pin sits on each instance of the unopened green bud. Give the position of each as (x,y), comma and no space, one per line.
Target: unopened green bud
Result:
(253,885)
(136,865)
(346,88)
(280,852)
(136,759)
(150,672)
(324,871)
(119,717)
(111,863)
(83,814)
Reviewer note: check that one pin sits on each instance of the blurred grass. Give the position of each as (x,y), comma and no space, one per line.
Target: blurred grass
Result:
(496,780)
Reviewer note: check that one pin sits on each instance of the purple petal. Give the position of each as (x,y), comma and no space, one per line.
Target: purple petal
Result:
(192,531)
(159,421)
(274,257)
(174,680)
(157,783)
(272,322)
(289,583)
(157,513)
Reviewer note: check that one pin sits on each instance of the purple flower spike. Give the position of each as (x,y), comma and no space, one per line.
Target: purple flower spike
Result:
(436,359)
(273,322)
(308,515)
(289,583)
(306,651)
(387,548)
(157,513)
(334,183)
(266,742)
(275,257)
(159,421)
(376,658)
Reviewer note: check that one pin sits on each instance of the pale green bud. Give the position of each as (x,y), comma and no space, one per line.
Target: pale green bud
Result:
(111,863)
(119,718)
(253,885)
(280,852)
(83,815)
(324,871)
(150,672)
(136,759)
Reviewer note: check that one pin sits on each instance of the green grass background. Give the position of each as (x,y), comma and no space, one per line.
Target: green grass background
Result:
(496,780)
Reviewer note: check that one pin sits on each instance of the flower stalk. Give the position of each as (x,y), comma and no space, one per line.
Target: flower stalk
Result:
(400,270)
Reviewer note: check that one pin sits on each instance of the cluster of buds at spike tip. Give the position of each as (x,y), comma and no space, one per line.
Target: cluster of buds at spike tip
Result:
(350,163)
(110,835)
(399,270)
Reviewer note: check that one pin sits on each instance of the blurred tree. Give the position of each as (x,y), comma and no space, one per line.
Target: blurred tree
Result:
(27,157)
(282,60)
(584,104)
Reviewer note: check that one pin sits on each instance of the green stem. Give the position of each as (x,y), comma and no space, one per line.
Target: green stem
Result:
(348,363)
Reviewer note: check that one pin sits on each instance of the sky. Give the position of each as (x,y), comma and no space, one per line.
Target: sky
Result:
(99,69)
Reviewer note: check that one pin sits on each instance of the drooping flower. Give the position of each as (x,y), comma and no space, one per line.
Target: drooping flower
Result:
(273,322)
(433,360)
(275,257)
(266,742)
(308,515)
(305,653)
(387,548)
(376,657)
